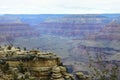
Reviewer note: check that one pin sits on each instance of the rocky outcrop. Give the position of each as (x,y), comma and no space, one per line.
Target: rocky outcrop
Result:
(40,65)
(60,73)
(81,76)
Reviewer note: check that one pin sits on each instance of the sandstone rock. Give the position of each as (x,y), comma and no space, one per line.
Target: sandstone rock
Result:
(21,76)
(60,73)
(56,69)
(81,76)
(37,65)
(56,75)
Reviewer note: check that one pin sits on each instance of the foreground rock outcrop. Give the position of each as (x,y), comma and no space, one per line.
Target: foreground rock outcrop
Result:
(17,64)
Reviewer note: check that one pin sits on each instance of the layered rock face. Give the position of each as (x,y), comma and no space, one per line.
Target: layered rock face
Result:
(60,73)
(12,27)
(78,26)
(40,65)
(110,32)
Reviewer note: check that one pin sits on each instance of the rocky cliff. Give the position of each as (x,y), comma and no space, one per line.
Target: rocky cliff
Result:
(16,64)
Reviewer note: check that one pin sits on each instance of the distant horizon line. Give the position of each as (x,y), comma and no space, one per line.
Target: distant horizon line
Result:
(53,13)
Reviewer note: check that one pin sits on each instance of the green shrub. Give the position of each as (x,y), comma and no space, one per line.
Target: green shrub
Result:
(5,67)
(21,68)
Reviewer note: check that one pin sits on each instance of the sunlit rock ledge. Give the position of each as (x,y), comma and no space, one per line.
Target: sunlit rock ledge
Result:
(17,63)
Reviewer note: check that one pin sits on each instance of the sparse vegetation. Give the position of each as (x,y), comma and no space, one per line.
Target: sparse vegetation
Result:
(102,70)
(4,68)
(21,68)
(15,76)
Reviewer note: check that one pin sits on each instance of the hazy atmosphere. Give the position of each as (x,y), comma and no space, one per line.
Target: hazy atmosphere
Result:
(59,39)
(59,6)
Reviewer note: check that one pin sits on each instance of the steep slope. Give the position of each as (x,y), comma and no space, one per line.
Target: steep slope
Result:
(13,27)
(115,57)
(110,32)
